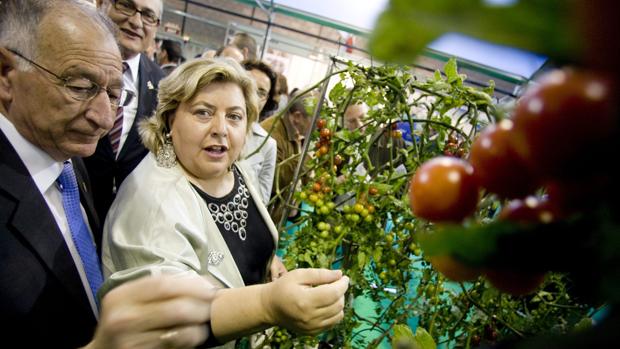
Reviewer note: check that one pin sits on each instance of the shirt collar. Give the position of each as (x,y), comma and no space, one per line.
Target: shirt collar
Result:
(134,65)
(42,167)
(258,130)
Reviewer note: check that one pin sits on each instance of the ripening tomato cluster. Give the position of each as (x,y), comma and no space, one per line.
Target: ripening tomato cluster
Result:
(453,147)
(322,146)
(558,139)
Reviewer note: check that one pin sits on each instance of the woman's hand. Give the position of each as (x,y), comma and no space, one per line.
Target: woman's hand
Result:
(306,301)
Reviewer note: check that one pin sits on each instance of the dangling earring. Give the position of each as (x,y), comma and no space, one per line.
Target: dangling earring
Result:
(166,157)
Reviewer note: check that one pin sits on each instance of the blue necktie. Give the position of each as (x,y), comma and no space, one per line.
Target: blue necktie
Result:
(79,231)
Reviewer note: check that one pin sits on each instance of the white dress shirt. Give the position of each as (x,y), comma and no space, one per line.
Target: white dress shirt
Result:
(45,171)
(262,165)
(131,83)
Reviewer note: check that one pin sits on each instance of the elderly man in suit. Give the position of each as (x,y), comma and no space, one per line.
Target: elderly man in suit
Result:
(122,150)
(60,84)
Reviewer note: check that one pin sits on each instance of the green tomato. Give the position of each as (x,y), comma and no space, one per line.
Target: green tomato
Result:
(324,210)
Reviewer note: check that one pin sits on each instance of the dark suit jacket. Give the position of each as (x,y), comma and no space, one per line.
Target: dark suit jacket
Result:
(43,303)
(107,173)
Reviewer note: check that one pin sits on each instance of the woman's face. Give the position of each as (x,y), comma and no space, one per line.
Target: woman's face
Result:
(208,131)
(263,85)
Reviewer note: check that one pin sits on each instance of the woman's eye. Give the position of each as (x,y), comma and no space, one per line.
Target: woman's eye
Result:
(203,112)
(235,116)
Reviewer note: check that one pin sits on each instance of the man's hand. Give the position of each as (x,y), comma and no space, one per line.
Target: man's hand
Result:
(155,312)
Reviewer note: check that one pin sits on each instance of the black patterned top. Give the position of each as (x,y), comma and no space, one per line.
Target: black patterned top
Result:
(243,228)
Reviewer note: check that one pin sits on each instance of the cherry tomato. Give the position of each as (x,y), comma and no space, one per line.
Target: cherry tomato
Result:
(373,191)
(568,196)
(337,160)
(452,138)
(325,133)
(321,123)
(528,210)
(316,187)
(564,122)
(323,150)
(444,189)
(475,340)
(453,269)
(358,208)
(513,282)
(497,166)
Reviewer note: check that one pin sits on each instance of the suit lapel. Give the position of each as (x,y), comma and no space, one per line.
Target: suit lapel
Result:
(34,222)
(87,201)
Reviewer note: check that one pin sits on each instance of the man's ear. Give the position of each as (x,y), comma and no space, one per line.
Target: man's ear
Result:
(7,66)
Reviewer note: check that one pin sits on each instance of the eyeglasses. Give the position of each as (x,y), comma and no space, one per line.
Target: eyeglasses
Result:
(82,89)
(128,8)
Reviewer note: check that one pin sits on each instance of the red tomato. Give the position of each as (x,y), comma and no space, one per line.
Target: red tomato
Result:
(316,187)
(513,282)
(561,124)
(444,189)
(320,123)
(528,210)
(373,191)
(497,166)
(453,269)
(569,196)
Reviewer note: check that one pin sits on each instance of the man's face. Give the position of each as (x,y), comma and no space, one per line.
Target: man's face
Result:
(135,34)
(42,108)
(263,86)
(354,116)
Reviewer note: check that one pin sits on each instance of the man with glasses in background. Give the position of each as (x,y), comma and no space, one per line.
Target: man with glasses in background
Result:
(60,86)
(122,150)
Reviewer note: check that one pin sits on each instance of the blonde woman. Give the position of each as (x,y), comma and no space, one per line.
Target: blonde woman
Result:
(188,209)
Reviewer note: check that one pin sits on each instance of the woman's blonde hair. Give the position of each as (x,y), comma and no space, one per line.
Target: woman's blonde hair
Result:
(183,84)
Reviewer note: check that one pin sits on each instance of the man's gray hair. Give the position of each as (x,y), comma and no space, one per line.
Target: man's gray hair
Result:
(20,20)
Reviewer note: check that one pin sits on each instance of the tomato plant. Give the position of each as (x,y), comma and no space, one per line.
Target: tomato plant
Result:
(444,189)
(358,215)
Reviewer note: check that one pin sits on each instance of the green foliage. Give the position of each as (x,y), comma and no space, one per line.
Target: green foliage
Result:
(542,26)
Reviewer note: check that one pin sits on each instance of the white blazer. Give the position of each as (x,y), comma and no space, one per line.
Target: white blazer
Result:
(160,224)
